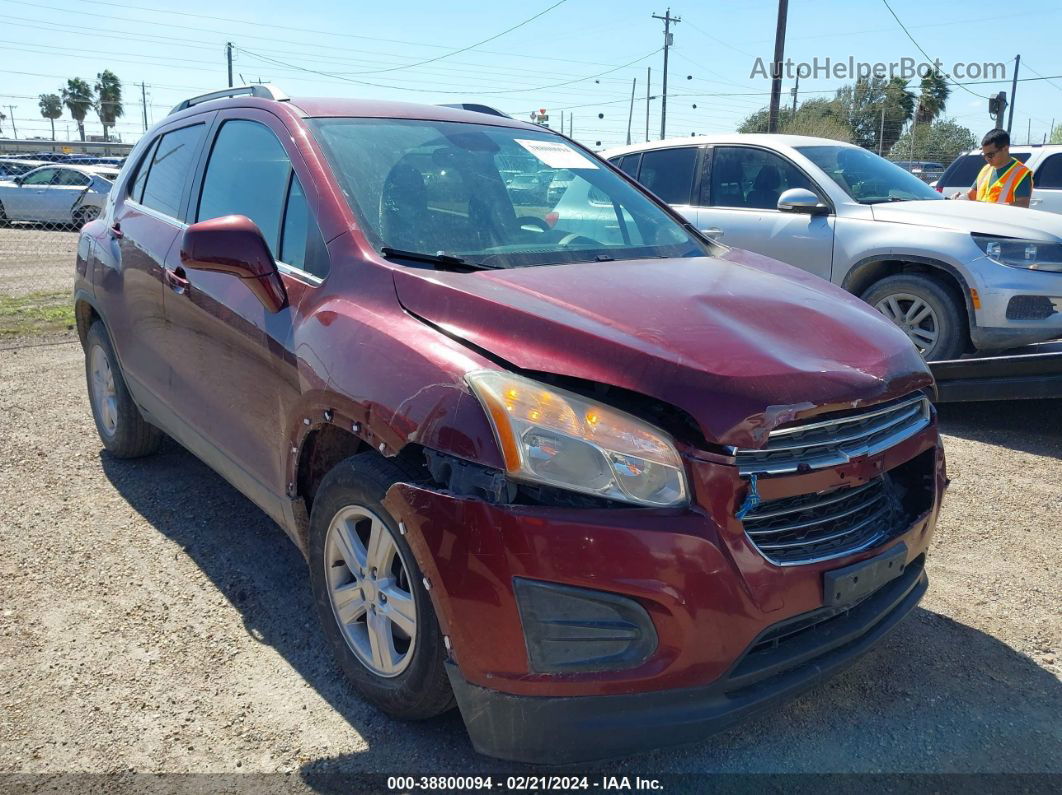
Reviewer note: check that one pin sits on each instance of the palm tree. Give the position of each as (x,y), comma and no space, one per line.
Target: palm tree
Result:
(109,99)
(934,96)
(77,96)
(3,118)
(51,108)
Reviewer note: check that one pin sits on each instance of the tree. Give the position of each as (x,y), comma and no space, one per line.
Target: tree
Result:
(941,141)
(863,104)
(933,98)
(817,117)
(109,99)
(3,118)
(51,108)
(78,98)
(1056,135)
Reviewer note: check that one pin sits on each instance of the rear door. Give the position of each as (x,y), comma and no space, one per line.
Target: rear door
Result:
(145,223)
(672,174)
(739,195)
(68,186)
(234,366)
(1047,185)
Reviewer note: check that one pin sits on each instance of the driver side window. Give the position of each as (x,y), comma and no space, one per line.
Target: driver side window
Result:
(752,178)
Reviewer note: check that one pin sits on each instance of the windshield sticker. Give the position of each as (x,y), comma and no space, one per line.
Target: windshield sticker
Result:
(556,154)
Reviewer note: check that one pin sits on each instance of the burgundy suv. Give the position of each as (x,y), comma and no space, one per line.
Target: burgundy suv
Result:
(599,481)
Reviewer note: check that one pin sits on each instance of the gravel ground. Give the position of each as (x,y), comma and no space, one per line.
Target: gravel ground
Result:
(152,619)
(36,258)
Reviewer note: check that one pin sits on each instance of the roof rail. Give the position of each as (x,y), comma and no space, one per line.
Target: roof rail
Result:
(477,108)
(261,90)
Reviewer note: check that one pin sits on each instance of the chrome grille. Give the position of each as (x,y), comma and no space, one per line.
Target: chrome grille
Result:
(830,442)
(813,527)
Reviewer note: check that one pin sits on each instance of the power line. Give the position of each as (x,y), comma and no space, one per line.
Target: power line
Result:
(1048,79)
(926,54)
(333,75)
(472,46)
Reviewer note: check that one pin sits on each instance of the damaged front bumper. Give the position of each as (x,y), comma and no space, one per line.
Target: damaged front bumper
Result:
(649,627)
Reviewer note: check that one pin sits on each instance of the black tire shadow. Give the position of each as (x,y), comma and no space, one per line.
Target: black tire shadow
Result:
(1033,426)
(935,696)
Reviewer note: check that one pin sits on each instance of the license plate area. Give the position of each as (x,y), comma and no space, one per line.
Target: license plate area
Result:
(843,587)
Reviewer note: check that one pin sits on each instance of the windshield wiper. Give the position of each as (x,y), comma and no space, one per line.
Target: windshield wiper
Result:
(883,200)
(440,259)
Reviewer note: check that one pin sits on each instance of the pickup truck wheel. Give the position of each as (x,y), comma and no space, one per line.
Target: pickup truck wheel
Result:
(370,595)
(925,310)
(122,429)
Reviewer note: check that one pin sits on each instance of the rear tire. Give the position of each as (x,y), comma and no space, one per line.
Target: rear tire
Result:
(402,673)
(122,429)
(925,310)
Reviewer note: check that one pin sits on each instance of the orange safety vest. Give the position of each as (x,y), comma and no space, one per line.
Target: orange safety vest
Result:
(1002,190)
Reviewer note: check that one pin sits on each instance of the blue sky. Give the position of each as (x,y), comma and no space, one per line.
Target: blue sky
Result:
(565,60)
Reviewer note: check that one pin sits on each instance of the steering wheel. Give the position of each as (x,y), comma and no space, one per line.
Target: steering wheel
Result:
(574,237)
(531,220)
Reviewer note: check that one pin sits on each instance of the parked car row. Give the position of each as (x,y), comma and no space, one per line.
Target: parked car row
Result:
(53,193)
(71,159)
(952,275)
(577,470)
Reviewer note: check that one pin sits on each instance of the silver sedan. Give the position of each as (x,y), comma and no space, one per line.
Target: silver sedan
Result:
(56,194)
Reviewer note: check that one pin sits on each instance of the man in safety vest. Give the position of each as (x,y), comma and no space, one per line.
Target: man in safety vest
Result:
(1004,179)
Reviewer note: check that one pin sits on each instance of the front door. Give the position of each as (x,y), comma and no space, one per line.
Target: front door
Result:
(29,201)
(1047,185)
(234,366)
(740,208)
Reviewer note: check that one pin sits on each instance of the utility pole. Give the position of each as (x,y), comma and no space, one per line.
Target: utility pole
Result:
(648,82)
(143,103)
(1028,135)
(14,130)
(776,66)
(668,19)
(881,135)
(793,91)
(630,117)
(228,59)
(1013,91)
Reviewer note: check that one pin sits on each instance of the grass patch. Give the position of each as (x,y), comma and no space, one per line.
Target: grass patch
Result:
(35,313)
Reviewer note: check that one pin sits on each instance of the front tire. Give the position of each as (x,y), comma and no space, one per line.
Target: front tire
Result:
(925,310)
(122,429)
(370,595)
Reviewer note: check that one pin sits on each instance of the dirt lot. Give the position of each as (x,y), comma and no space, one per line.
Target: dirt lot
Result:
(152,619)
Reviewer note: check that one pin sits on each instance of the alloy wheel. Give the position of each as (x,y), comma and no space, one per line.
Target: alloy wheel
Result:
(104,393)
(915,316)
(370,591)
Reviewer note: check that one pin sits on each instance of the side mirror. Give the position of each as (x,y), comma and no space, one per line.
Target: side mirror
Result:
(17,181)
(233,244)
(800,200)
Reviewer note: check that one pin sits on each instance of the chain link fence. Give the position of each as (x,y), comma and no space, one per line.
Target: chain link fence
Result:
(43,204)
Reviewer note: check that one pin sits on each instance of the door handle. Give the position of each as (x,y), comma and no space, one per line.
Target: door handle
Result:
(116,231)
(177,281)
(713,232)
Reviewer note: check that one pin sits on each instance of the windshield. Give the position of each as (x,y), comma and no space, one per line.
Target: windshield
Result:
(496,196)
(865,177)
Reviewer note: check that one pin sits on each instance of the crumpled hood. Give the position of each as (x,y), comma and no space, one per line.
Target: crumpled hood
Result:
(742,342)
(967,216)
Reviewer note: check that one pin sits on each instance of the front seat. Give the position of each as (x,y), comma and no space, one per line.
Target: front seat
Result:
(764,194)
(726,183)
(404,218)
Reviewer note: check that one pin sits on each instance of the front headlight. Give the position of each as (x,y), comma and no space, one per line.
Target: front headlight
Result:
(1035,255)
(551,436)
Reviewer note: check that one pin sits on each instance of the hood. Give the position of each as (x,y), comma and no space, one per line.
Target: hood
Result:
(967,216)
(742,343)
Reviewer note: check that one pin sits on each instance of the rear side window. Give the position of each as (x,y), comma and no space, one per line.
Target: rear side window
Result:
(629,164)
(136,187)
(42,177)
(1050,173)
(247,175)
(72,178)
(669,173)
(171,164)
(963,172)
